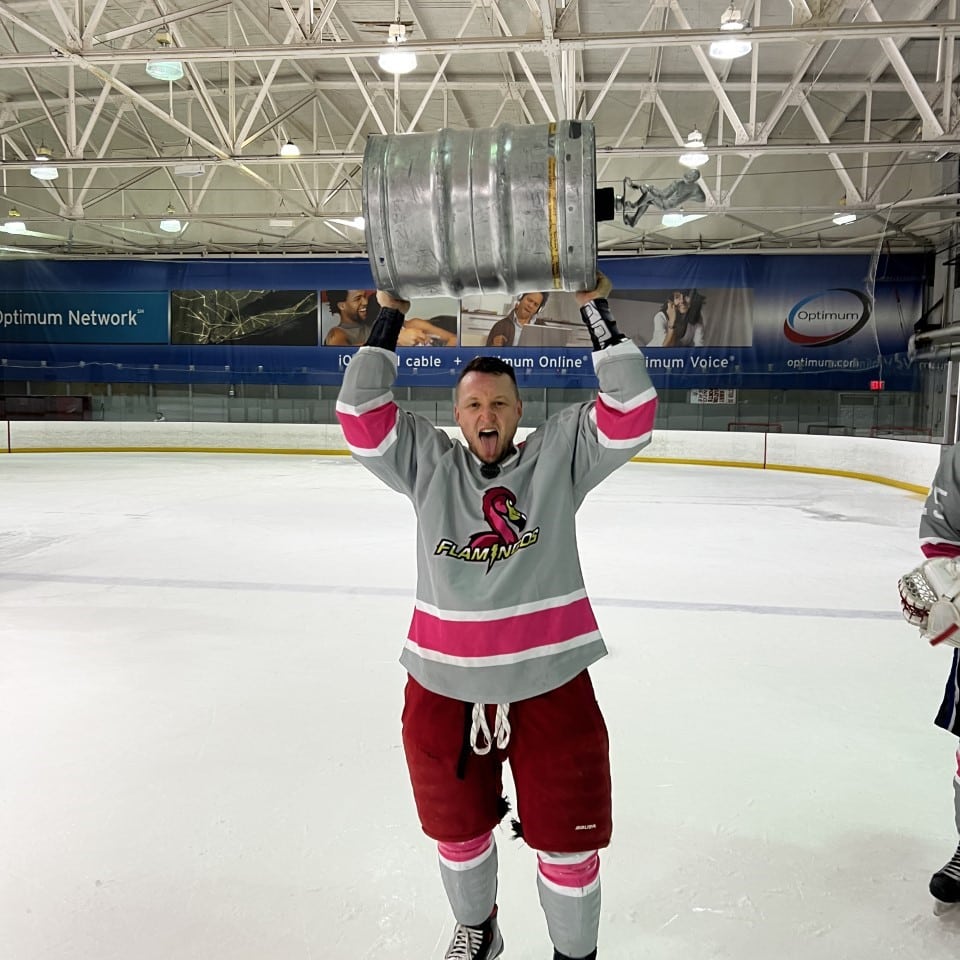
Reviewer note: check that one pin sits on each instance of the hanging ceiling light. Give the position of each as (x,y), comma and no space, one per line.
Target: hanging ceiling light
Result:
(15,224)
(169,70)
(289,149)
(393,59)
(170,224)
(45,171)
(731,47)
(695,155)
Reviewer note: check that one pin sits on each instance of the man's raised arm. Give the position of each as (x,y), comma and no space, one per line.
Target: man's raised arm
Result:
(388,442)
(620,422)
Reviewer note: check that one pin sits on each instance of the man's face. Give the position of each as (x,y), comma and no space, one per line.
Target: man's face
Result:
(488,410)
(527,307)
(353,310)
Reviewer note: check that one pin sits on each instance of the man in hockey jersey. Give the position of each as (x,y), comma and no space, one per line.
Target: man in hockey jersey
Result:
(929,598)
(502,630)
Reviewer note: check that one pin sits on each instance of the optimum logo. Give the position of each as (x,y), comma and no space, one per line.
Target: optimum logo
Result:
(826,318)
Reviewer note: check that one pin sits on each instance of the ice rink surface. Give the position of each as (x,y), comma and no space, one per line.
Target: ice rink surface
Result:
(199,702)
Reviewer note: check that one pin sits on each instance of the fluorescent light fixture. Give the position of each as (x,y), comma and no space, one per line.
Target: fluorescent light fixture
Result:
(393,59)
(695,155)
(843,218)
(289,149)
(679,218)
(731,47)
(281,224)
(44,172)
(189,169)
(169,70)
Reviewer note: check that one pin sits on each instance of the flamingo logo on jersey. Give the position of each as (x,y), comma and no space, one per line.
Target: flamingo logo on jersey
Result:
(504,538)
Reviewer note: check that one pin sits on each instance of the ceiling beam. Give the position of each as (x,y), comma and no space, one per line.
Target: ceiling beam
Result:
(852,193)
(56,52)
(931,125)
(798,149)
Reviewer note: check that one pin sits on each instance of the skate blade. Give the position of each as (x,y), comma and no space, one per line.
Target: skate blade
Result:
(940,907)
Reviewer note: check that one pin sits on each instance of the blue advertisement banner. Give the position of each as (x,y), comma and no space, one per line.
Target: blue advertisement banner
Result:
(32,316)
(440,367)
(747,321)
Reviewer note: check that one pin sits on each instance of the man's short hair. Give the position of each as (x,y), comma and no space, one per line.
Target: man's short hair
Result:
(334,299)
(485,364)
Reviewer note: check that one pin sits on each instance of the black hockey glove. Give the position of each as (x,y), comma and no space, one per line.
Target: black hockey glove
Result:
(386,329)
(389,322)
(600,323)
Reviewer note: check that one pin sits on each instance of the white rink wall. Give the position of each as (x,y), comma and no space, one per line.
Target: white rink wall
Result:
(42,435)
(901,462)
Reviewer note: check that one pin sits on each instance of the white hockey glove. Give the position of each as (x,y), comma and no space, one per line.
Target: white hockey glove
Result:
(928,599)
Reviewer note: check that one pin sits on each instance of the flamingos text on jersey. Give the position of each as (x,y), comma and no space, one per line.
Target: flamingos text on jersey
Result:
(504,538)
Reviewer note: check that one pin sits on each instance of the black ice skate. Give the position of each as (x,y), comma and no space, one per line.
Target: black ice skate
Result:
(945,885)
(476,943)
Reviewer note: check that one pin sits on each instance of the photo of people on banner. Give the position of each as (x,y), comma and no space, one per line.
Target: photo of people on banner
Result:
(532,318)
(680,317)
(347,317)
(686,316)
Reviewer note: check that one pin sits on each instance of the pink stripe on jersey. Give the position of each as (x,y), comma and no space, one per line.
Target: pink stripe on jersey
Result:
(625,424)
(958,763)
(466,851)
(940,550)
(368,430)
(491,638)
(572,875)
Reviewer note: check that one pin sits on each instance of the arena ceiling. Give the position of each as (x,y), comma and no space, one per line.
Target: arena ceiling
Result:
(840,103)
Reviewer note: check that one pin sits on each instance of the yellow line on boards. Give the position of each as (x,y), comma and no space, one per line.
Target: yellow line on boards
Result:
(825,471)
(869,477)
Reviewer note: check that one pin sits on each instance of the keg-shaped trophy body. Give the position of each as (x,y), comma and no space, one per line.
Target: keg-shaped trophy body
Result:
(498,210)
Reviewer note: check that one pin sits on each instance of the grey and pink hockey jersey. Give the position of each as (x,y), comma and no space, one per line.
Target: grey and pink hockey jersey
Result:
(940,519)
(501,611)
(940,537)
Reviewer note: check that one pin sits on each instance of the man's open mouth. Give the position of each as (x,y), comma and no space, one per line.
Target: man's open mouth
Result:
(488,440)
